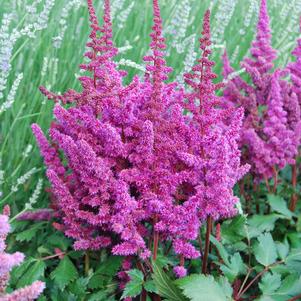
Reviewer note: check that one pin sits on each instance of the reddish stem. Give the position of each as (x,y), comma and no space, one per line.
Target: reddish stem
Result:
(294,197)
(156,240)
(298,297)
(207,245)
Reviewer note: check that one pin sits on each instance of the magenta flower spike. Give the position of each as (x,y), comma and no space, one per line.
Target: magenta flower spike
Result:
(213,140)
(262,52)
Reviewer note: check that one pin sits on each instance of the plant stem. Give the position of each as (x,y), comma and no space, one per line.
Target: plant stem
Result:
(143,296)
(242,291)
(294,197)
(87,263)
(53,256)
(207,245)
(156,241)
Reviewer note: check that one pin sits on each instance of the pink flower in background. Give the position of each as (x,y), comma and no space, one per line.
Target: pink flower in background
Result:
(7,262)
(271,129)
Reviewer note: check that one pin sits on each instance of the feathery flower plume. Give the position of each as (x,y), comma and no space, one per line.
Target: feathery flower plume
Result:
(216,166)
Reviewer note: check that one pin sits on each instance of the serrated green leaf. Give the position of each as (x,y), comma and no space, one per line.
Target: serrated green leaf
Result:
(79,287)
(150,286)
(64,273)
(34,272)
(290,287)
(265,251)
(204,288)
(234,230)
(234,268)
(269,283)
(226,286)
(134,287)
(110,266)
(165,286)
(136,275)
(18,271)
(279,205)
(262,223)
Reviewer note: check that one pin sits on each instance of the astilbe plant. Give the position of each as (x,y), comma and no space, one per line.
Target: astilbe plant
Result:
(268,138)
(7,262)
(137,171)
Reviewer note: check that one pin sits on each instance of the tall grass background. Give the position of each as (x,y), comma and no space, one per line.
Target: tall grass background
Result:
(42,43)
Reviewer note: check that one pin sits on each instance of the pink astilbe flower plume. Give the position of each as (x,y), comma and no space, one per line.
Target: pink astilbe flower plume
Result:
(7,262)
(262,52)
(216,166)
(271,128)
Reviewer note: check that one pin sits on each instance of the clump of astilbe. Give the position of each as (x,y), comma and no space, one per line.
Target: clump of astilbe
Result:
(267,138)
(7,262)
(124,171)
(137,170)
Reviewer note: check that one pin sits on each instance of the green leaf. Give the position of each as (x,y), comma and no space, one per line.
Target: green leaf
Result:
(18,271)
(226,286)
(34,272)
(282,248)
(134,287)
(165,286)
(150,286)
(234,230)
(98,296)
(234,268)
(279,205)
(221,250)
(270,283)
(110,266)
(204,288)
(136,275)
(64,273)
(293,260)
(291,286)
(29,234)
(97,281)
(261,223)
(265,251)
(79,287)
(295,240)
